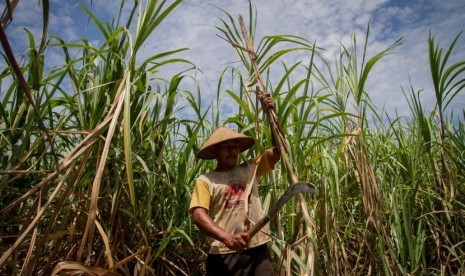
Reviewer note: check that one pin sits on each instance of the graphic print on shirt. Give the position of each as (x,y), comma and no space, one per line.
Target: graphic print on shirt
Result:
(234,195)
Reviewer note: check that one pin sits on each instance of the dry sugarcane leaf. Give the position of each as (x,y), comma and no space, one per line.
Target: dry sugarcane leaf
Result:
(75,268)
(32,225)
(89,230)
(106,242)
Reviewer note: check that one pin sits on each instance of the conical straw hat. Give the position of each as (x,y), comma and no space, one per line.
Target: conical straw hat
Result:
(220,135)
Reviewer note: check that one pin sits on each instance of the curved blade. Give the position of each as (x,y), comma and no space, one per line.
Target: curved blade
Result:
(296,188)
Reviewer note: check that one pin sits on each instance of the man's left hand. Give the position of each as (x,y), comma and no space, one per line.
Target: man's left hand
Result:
(267,101)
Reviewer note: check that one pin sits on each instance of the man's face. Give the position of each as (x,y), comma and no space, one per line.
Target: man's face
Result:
(228,153)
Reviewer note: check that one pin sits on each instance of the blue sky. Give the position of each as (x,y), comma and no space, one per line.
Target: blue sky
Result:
(328,23)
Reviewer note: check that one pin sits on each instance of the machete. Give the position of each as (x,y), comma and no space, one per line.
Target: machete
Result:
(294,189)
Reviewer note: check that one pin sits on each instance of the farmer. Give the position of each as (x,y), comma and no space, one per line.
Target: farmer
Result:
(225,203)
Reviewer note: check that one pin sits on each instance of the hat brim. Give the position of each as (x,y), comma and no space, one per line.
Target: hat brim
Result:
(210,152)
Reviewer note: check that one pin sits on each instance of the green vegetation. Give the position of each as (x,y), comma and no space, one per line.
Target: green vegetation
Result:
(98,160)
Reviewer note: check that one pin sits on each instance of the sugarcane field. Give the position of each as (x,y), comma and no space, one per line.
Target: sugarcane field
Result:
(251,137)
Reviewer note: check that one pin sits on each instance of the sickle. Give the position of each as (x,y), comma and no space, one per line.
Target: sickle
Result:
(294,189)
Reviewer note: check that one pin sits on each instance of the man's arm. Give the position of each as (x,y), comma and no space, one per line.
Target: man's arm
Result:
(273,155)
(237,242)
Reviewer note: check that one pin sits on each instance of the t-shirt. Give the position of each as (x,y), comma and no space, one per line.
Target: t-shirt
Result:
(232,200)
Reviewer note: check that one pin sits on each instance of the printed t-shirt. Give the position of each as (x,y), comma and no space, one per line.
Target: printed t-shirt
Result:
(224,195)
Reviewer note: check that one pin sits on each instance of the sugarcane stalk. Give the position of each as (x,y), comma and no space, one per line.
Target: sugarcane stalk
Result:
(270,114)
(278,133)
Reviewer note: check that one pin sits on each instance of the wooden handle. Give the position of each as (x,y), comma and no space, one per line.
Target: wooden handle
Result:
(258,226)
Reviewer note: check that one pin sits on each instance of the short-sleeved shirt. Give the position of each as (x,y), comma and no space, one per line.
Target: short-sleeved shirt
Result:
(232,200)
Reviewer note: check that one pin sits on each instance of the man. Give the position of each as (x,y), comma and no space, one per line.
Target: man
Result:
(225,202)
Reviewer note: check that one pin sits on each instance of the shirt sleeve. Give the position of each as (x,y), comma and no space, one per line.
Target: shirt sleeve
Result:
(263,165)
(200,195)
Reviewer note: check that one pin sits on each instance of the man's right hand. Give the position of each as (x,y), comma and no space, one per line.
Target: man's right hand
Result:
(237,242)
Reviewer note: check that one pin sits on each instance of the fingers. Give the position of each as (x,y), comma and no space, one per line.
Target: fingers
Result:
(244,236)
(237,242)
(267,101)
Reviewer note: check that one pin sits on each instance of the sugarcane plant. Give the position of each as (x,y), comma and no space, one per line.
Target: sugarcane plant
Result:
(97,152)
(105,118)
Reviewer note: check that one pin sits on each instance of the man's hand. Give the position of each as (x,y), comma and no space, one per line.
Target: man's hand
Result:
(237,242)
(267,101)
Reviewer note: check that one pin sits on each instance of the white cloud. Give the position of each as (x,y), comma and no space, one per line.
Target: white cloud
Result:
(329,23)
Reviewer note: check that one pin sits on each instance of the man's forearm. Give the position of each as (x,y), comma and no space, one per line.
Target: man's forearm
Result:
(207,225)
(237,241)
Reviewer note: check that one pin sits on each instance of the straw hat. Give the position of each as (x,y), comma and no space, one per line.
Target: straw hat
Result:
(220,135)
